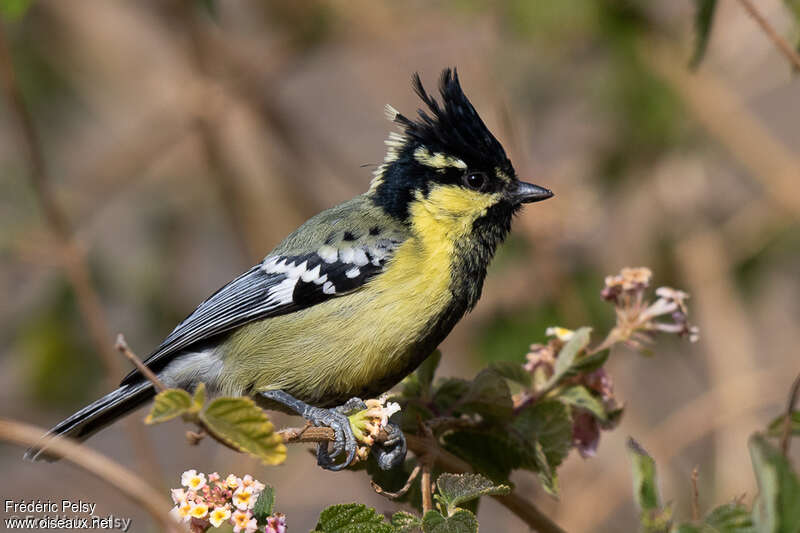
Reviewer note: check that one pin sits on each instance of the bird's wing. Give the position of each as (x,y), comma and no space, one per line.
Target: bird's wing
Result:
(279,285)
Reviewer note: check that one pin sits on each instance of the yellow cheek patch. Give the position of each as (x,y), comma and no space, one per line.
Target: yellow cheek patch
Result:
(448,211)
(437,160)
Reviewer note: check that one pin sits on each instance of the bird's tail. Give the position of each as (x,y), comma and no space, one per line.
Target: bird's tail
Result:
(95,417)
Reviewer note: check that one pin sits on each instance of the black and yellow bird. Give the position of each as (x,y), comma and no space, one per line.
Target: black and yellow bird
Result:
(358,296)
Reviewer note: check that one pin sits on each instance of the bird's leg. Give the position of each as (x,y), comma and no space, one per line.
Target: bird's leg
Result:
(336,419)
(392,451)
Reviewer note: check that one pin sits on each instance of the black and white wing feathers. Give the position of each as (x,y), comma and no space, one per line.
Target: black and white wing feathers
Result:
(277,286)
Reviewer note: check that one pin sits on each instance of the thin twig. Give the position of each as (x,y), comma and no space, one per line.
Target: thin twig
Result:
(784,47)
(695,495)
(125,350)
(786,437)
(403,489)
(426,485)
(522,508)
(104,468)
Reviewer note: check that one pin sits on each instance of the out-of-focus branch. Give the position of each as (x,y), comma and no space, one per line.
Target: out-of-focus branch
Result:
(784,47)
(727,119)
(74,260)
(104,468)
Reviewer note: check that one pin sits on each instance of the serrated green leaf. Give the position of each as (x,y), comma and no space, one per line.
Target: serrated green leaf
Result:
(462,521)
(776,509)
(549,423)
(645,487)
(488,395)
(352,518)
(547,474)
(455,489)
(448,392)
(199,397)
(729,518)
(579,396)
(703,21)
(512,371)
(242,424)
(264,504)
(490,453)
(775,428)
(568,354)
(404,522)
(169,404)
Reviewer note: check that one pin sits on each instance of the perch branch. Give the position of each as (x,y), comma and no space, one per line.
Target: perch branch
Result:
(125,350)
(784,47)
(104,468)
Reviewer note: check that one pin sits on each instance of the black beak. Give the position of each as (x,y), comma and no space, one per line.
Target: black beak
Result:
(527,193)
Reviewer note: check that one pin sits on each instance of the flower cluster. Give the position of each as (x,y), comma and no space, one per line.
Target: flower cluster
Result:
(637,316)
(210,501)
(367,424)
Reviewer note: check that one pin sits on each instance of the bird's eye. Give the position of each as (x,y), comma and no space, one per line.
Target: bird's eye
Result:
(476,181)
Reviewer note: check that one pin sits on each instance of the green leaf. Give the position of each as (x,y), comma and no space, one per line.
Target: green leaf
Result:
(240,423)
(569,352)
(448,392)
(14,10)
(352,518)
(776,510)
(490,453)
(513,372)
(168,404)
(775,428)
(547,474)
(645,487)
(462,521)
(579,396)
(703,21)
(653,518)
(199,397)
(729,518)
(549,423)
(264,504)
(455,489)
(404,522)
(488,395)
(427,369)
(589,363)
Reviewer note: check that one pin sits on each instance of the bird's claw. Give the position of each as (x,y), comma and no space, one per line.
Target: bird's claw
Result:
(392,452)
(344,441)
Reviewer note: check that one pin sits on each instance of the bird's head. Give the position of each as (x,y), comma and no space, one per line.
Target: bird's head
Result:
(447,168)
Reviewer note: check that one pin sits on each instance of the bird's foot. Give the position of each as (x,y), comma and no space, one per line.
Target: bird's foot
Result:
(391,452)
(337,419)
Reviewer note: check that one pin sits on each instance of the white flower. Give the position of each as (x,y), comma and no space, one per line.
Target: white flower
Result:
(243,498)
(241,520)
(198,510)
(178,496)
(232,481)
(219,515)
(562,334)
(193,480)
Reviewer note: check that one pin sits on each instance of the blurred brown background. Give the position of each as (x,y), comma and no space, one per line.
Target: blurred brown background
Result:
(183,140)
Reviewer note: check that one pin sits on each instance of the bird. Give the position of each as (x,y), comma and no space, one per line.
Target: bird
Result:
(358,296)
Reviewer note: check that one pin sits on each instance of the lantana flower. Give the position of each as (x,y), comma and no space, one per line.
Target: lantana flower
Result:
(193,480)
(219,515)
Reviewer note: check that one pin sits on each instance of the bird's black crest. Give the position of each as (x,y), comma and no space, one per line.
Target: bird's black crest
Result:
(454,127)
